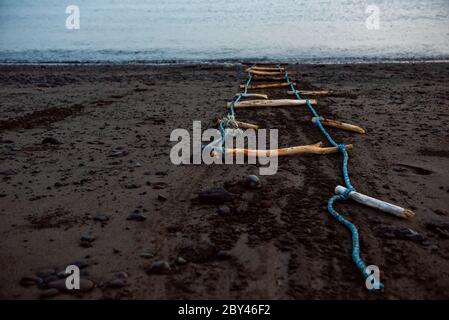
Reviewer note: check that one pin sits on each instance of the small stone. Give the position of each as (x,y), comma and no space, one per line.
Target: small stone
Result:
(101,217)
(51,278)
(48,293)
(146,255)
(80,264)
(216,195)
(223,255)
(181,260)
(159,267)
(85,286)
(252,181)
(30,281)
(136,216)
(132,186)
(162,197)
(45,273)
(86,239)
(50,140)
(120,153)
(441,212)
(121,275)
(224,210)
(116,284)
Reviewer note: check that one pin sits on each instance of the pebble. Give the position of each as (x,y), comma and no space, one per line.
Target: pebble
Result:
(48,293)
(85,285)
(80,264)
(136,216)
(51,278)
(181,261)
(116,284)
(132,186)
(162,197)
(159,267)
(31,281)
(224,210)
(121,275)
(101,217)
(86,239)
(252,181)
(50,140)
(223,255)
(146,255)
(45,273)
(215,195)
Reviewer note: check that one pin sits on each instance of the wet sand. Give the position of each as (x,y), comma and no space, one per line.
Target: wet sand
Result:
(69,200)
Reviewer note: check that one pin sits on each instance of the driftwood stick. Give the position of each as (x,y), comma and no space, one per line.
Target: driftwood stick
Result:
(253,95)
(311,92)
(270,103)
(264,78)
(246,125)
(266,69)
(265,73)
(376,203)
(243,125)
(267,85)
(306,149)
(339,125)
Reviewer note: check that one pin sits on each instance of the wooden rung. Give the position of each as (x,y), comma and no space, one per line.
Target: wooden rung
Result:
(311,93)
(267,69)
(268,78)
(253,95)
(270,103)
(246,125)
(243,125)
(264,73)
(339,125)
(306,149)
(267,85)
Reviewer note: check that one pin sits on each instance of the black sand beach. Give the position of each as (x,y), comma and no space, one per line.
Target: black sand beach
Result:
(67,200)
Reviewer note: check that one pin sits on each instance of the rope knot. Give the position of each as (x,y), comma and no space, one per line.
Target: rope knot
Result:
(342,147)
(345,194)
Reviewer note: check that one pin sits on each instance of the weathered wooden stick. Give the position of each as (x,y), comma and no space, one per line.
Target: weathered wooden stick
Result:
(306,149)
(253,95)
(339,125)
(270,103)
(311,92)
(264,78)
(246,125)
(266,69)
(376,203)
(243,125)
(267,85)
(265,73)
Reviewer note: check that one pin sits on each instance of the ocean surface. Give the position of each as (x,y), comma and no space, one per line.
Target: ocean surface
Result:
(34,31)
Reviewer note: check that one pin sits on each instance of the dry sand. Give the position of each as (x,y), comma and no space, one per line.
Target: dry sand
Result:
(113,124)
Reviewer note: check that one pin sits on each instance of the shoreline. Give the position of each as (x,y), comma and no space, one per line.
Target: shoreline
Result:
(221,62)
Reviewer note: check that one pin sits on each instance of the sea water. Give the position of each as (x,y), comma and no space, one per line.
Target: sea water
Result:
(228,30)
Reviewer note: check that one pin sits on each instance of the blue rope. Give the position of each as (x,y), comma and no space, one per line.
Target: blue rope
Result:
(231,107)
(330,204)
